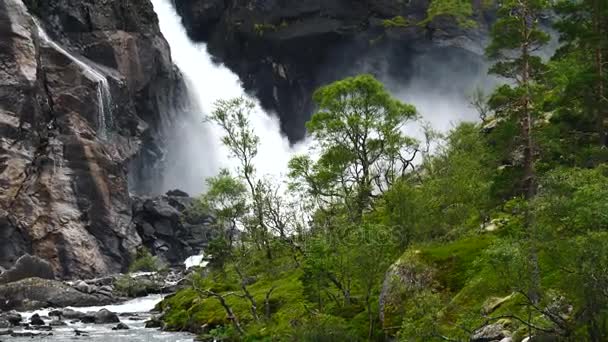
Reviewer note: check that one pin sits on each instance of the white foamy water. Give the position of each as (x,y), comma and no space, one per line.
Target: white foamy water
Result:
(138,310)
(104,96)
(207,83)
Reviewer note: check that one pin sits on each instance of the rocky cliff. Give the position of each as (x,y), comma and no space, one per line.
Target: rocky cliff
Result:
(83,84)
(284,49)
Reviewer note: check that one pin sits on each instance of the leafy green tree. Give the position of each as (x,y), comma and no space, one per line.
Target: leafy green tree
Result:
(233,117)
(358,132)
(226,200)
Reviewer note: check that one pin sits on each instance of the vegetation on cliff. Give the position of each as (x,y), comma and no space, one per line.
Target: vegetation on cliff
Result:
(494,230)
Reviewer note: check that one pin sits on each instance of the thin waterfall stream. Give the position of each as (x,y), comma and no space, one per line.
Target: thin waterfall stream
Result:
(104,96)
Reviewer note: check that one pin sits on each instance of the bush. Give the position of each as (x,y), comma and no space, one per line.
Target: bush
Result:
(145,262)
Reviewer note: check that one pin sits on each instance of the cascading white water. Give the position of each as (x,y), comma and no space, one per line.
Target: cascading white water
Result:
(104,96)
(208,82)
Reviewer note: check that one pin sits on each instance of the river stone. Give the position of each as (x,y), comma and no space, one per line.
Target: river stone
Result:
(12,317)
(121,326)
(105,316)
(36,320)
(4,324)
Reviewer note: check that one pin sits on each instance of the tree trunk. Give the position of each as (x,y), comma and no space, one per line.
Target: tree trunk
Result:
(602,103)
(529,153)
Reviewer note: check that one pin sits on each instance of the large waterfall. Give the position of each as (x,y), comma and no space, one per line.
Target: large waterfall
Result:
(104,96)
(196,152)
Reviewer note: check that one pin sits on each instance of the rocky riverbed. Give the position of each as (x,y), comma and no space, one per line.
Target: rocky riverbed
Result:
(119,322)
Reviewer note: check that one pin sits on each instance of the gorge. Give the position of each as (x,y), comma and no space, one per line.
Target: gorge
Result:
(103,107)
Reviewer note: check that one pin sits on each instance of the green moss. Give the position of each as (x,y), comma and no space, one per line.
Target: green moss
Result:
(457,261)
(397,21)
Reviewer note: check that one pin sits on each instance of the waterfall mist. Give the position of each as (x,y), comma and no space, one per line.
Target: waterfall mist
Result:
(196,151)
(438,82)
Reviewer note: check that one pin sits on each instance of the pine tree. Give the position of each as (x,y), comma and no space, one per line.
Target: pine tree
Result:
(516,39)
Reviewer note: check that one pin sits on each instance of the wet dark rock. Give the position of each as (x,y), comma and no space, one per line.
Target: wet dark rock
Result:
(67,313)
(167,231)
(28,266)
(36,293)
(154,322)
(12,317)
(121,326)
(36,320)
(80,333)
(4,324)
(105,316)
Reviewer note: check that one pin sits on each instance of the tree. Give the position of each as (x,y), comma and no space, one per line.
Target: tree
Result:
(358,132)
(233,117)
(226,200)
(516,37)
(584,34)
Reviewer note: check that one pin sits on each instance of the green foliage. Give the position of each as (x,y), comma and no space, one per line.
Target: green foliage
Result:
(460,10)
(145,262)
(504,222)
(395,22)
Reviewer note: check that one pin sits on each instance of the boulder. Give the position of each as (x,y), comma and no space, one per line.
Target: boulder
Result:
(28,266)
(12,317)
(84,287)
(4,324)
(36,320)
(67,313)
(154,322)
(167,231)
(405,277)
(36,293)
(490,333)
(121,326)
(105,316)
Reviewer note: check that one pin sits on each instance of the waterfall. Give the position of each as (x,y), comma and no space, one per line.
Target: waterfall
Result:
(197,151)
(104,96)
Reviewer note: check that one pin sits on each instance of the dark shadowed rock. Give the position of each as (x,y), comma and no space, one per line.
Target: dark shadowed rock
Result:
(105,316)
(69,314)
(12,317)
(36,293)
(177,193)
(28,266)
(4,324)
(36,320)
(121,326)
(167,231)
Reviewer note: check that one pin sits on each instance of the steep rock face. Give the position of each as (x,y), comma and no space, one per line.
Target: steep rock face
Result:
(167,231)
(65,139)
(284,49)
